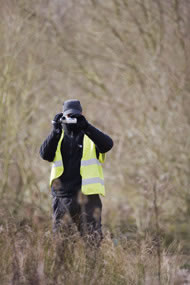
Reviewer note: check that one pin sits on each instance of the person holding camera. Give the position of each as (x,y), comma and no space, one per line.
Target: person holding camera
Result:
(77,151)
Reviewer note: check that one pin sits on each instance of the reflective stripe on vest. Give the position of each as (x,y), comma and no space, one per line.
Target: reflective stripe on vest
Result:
(90,170)
(92,180)
(90,162)
(57,163)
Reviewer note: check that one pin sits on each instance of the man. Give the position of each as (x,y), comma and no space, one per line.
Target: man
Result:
(77,150)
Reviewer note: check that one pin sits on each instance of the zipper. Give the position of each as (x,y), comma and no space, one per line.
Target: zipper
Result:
(71,149)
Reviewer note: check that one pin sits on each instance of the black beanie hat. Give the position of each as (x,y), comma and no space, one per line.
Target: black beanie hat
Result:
(72,106)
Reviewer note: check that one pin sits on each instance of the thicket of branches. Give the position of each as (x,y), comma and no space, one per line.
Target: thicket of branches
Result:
(127,61)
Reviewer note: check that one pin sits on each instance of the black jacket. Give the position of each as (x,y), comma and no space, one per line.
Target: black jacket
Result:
(71,149)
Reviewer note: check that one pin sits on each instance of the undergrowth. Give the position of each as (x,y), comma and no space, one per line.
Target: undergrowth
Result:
(31,254)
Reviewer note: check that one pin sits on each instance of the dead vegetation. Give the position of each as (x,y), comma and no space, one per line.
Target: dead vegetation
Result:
(128,63)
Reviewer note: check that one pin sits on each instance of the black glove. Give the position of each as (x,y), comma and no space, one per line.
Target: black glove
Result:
(56,123)
(82,123)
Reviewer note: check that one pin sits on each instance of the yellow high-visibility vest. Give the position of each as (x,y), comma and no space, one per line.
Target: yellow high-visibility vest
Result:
(91,168)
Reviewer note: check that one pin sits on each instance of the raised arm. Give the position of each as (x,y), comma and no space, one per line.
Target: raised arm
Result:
(49,146)
(102,141)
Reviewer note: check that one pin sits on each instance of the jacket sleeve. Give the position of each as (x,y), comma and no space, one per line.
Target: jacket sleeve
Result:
(102,141)
(49,146)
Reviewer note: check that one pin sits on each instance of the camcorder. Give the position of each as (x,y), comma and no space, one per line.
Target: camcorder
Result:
(68,120)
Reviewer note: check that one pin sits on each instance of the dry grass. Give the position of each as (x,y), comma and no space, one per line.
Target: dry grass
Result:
(128,63)
(30,254)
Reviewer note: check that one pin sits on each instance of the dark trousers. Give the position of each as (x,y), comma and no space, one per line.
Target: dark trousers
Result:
(82,210)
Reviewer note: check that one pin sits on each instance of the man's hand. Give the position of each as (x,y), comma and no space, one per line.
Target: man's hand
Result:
(82,123)
(56,122)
